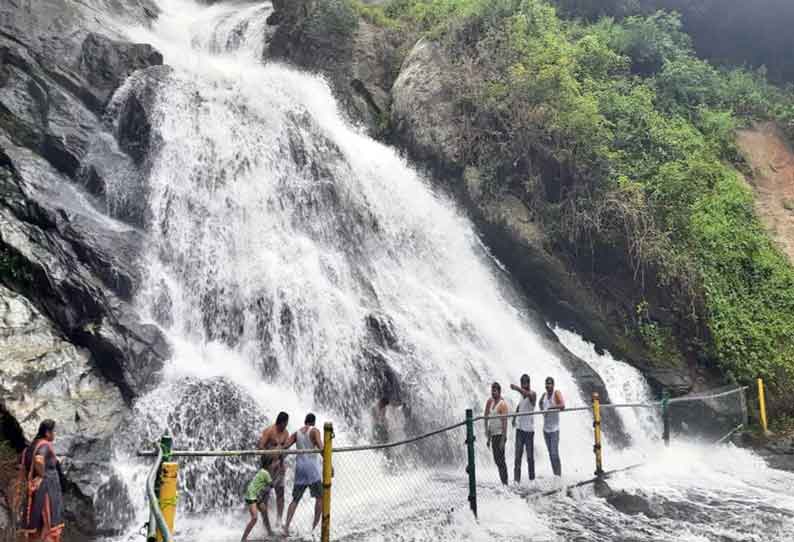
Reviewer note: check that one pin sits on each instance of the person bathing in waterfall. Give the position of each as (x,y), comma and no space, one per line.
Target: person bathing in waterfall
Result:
(273,438)
(552,401)
(257,495)
(496,428)
(525,429)
(308,474)
(380,423)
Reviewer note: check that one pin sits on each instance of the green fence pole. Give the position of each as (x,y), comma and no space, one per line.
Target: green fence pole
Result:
(470,469)
(666,418)
(167,444)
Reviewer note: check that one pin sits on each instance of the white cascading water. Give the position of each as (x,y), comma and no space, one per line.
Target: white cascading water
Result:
(626,385)
(298,265)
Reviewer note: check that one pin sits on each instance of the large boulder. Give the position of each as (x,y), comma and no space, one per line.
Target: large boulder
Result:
(423,114)
(106,63)
(130,113)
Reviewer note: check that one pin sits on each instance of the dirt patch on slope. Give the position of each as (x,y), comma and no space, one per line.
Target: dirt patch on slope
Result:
(771,159)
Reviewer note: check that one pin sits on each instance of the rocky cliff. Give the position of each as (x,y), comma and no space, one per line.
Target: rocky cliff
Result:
(73,347)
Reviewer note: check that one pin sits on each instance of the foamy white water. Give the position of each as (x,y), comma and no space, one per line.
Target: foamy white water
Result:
(298,265)
(626,385)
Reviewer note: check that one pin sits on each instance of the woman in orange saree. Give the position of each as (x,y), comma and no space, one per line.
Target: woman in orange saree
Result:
(41,507)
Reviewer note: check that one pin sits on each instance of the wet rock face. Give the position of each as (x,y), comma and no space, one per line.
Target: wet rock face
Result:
(190,412)
(71,345)
(106,63)
(43,376)
(66,258)
(359,59)
(64,253)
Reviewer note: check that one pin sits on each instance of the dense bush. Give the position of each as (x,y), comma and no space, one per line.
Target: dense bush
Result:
(643,133)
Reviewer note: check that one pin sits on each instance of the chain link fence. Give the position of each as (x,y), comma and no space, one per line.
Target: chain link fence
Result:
(420,483)
(710,416)
(415,488)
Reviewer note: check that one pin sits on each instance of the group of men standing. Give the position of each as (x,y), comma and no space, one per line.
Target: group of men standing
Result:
(273,470)
(497,412)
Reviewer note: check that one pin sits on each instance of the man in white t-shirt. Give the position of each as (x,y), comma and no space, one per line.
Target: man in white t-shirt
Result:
(525,429)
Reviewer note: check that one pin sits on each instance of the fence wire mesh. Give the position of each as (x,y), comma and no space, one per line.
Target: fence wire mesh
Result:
(420,484)
(575,452)
(414,489)
(708,416)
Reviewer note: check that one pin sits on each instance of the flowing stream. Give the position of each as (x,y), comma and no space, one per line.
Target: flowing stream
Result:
(298,265)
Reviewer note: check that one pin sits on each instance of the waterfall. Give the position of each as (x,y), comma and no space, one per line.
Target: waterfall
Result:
(298,265)
(626,385)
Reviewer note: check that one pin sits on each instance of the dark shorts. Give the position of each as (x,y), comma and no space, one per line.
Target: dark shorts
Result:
(262,498)
(315,490)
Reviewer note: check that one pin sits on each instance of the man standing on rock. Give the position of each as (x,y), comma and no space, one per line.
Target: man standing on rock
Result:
(496,428)
(276,437)
(552,401)
(525,429)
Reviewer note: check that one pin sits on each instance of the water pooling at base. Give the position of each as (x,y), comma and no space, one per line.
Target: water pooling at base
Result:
(298,265)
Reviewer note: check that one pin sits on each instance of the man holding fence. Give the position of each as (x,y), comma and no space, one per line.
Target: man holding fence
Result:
(552,401)
(308,470)
(496,428)
(276,437)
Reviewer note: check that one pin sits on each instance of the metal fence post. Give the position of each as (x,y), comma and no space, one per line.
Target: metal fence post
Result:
(666,418)
(327,475)
(168,495)
(597,434)
(470,468)
(167,489)
(762,405)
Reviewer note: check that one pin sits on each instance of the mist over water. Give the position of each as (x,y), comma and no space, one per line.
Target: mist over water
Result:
(298,265)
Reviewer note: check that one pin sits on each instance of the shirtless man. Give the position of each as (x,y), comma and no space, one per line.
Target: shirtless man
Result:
(276,437)
(496,428)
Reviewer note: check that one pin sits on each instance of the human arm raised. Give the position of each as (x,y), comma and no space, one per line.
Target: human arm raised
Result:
(522,391)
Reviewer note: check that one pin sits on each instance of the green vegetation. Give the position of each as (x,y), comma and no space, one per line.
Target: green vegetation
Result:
(332,19)
(634,138)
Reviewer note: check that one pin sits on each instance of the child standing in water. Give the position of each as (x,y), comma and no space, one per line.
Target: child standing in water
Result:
(256,497)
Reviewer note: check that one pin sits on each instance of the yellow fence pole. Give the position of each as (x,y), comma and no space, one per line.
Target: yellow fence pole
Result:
(762,405)
(168,496)
(327,475)
(597,433)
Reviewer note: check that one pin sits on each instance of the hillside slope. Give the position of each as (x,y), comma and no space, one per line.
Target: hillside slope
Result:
(771,160)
